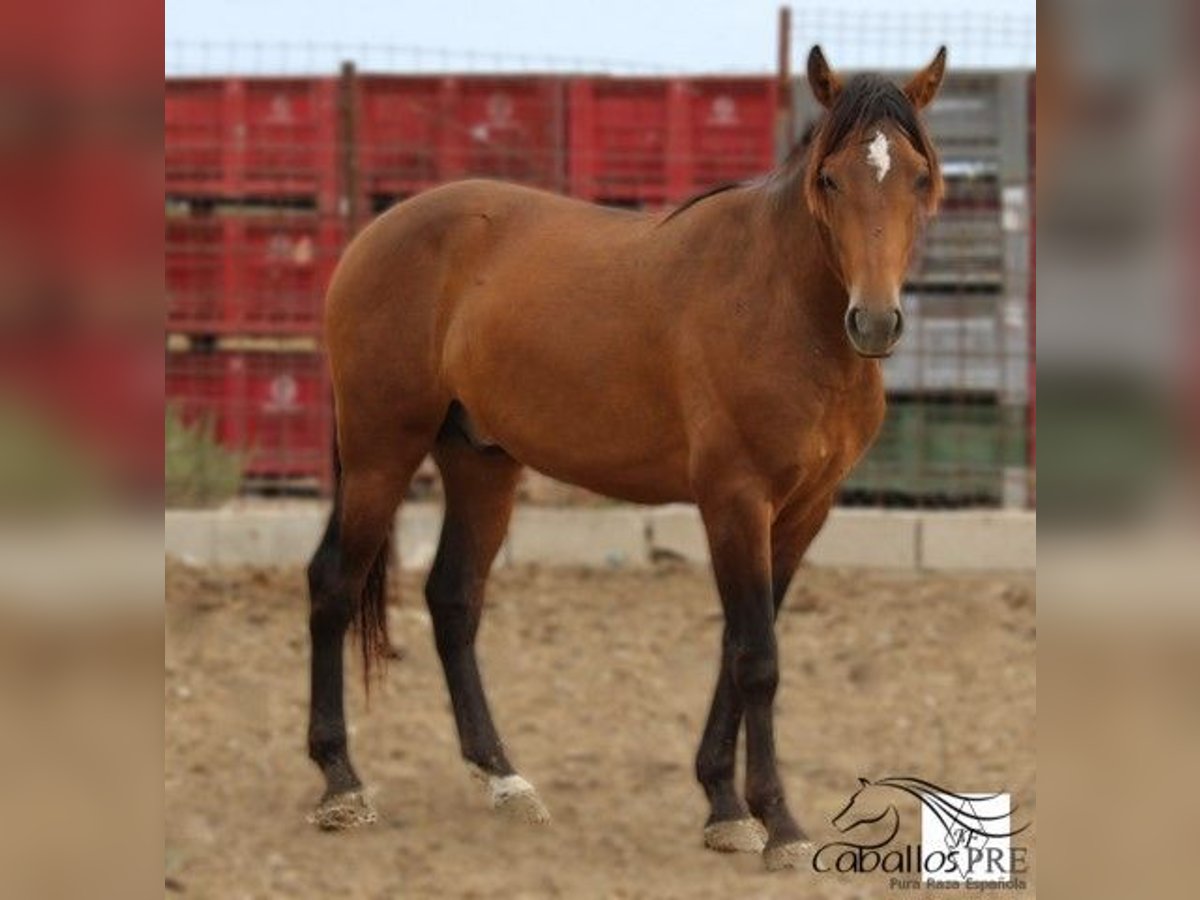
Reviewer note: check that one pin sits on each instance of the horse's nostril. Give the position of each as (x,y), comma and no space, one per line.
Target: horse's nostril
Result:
(858,321)
(898,323)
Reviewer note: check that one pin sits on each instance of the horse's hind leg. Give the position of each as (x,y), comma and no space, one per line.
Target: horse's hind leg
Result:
(479,485)
(368,496)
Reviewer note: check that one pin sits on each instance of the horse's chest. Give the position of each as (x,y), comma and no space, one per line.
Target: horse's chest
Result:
(841,443)
(823,447)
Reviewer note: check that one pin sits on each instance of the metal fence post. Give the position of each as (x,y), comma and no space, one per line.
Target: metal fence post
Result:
(784,128)
(348,147)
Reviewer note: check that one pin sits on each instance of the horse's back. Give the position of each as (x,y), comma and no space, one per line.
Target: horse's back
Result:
(454,226)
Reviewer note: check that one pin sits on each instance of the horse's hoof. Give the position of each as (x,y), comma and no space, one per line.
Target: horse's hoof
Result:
(513,797)
(342,811)
(522,806)
(794,855)
(736,836)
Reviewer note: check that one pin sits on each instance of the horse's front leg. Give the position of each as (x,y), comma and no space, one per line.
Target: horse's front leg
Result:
(738,523)
(730,827)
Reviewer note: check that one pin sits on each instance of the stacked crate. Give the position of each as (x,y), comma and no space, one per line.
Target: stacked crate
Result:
(253,232)
(638,142)
(415,132)
(958,385)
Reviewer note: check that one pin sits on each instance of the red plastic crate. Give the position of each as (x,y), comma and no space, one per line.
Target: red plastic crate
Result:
(731,129)
(636,141)
(414,132)
(249,274)
(197,132)
(402,125)
(273,407)
(259,137)
(618,137)
(510,128)
(195,274)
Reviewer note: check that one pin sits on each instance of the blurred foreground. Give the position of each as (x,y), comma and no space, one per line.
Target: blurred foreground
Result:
(80,449)
(1119,385)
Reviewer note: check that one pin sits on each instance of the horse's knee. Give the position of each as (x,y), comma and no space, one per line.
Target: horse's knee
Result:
(714,768)
(756,674)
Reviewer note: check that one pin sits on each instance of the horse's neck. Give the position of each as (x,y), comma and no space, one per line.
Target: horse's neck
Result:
(761,248)
(801,251)
(804,280)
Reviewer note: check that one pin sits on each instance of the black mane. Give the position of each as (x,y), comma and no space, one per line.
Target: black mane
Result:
(866,100)
(703,195)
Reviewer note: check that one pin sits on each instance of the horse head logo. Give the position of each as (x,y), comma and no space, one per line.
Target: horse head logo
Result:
(962,835)
(869,806)
(967,820)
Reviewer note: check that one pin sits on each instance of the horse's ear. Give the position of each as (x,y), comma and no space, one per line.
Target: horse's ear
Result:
(824,83)
(923,86)
(862,782)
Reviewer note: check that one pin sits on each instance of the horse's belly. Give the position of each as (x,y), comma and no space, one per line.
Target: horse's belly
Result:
(600,420)
(627,457)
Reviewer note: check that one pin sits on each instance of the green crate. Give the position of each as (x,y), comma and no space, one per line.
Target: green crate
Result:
(949,451)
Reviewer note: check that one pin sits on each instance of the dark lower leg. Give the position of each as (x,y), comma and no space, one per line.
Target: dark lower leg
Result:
(479,488)
(336,575)
(739,537)
(757,676)
(455,599)
(331,610)
(717,757)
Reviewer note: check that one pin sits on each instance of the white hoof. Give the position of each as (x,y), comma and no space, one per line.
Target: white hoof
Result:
(736,836)
(343,811)
(795,855)
(513,797)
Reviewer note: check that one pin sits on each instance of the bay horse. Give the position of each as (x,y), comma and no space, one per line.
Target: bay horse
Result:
(725,354)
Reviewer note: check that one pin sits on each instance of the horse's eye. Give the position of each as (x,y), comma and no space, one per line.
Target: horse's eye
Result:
(923,181)
(826,182)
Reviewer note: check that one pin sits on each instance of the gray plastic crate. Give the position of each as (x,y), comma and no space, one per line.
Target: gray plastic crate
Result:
(962,342)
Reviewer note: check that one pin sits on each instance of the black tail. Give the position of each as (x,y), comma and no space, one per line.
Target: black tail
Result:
(370,612)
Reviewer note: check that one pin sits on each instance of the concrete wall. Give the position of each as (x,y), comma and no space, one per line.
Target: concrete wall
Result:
(285,533)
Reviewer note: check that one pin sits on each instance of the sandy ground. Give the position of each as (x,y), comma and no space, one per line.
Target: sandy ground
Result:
(600,683)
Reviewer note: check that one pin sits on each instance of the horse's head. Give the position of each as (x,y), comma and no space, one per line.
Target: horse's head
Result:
(866,806)
(872,179)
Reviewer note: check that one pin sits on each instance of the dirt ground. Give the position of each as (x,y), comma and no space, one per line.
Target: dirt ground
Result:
(600,683)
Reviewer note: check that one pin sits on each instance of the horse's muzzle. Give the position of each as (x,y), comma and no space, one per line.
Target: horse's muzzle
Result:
(874,333)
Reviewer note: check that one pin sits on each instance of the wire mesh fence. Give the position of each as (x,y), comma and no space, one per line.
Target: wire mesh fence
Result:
(905,36)
(189,58)
(270,172)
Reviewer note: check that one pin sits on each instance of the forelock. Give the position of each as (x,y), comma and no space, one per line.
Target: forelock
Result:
(865,101)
